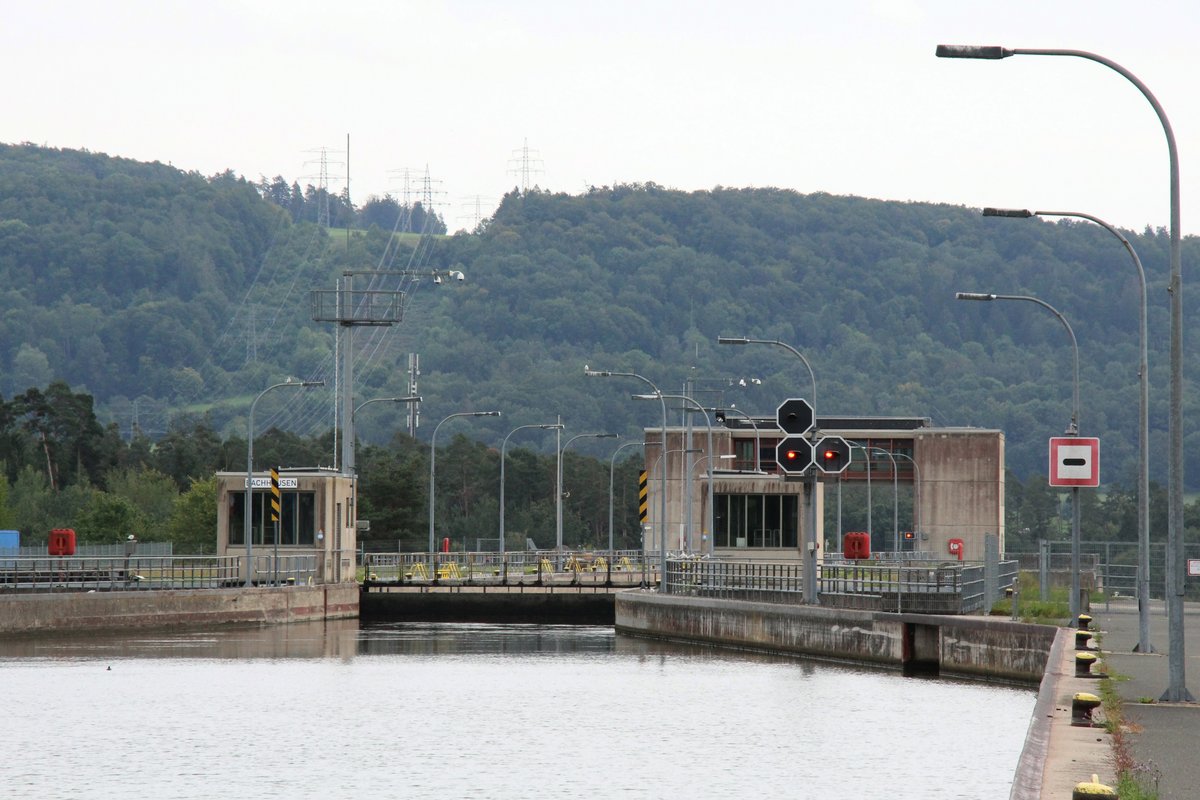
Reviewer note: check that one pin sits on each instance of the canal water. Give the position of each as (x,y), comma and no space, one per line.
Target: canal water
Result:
(333,709)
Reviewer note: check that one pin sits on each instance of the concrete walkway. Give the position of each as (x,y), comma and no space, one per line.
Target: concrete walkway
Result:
(1163,736)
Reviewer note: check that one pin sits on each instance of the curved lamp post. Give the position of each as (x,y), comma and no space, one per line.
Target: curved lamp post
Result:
(712,533)
(248,512)
(810,556)
(662,536)
(503,449)
(558,509)
(720,414)
(895,500)
(612,468)
(916,495)
(662,460)
(1143,524)
(708,420)
(1177,688)
(433,484)
(1072,429)
(350,457)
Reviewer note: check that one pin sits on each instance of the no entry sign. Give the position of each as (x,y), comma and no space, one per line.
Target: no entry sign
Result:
(1074,461)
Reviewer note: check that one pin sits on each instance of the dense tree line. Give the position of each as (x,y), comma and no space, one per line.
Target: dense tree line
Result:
(196,296)
(319,205)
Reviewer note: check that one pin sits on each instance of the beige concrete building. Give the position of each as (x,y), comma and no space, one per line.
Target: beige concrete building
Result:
(318,517)
(955,474)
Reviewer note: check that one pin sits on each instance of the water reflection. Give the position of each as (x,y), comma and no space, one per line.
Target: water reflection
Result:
(491,711)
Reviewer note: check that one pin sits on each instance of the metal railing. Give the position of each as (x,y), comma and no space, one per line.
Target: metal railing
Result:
(143,573)
(511,566)
(945,588)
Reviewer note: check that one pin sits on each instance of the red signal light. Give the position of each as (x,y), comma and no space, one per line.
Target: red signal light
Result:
(829,454)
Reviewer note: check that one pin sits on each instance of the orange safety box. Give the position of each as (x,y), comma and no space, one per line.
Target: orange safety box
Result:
(856,545)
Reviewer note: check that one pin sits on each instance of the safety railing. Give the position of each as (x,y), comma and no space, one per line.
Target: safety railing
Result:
(119,573)
(900,586)
(626,566)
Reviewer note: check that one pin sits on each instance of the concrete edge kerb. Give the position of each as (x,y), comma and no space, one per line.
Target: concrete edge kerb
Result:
(1031,766)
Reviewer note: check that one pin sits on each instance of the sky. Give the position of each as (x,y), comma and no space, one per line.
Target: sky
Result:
(840,97)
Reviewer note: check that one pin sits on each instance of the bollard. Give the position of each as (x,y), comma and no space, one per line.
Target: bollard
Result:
(1092,789)
(1082,706)
(1085,622)
(1083,665)
(1082,640)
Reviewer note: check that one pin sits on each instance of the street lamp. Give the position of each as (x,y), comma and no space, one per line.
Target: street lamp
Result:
(661,459)
(810,555)
(712,533)
(349,456)
(916,496)
(895,498)
(595,373)
(708,421)
(558,521)
(433,474)
(1143,524)
(1072,429)
(612,467)
(503,448)
(1177,688)
(720,414)
(249,509)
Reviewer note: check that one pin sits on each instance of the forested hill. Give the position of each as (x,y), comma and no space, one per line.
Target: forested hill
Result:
(165,292)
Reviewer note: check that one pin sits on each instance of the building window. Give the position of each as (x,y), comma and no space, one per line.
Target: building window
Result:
(756,520)
(297,518)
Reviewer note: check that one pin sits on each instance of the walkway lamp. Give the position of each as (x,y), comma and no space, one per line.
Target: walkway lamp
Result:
(1072,429)
(1177,688)
(248,511)
(810,544)
(503,449)
(612,468)
(558,520)
(433,484)
(595,373)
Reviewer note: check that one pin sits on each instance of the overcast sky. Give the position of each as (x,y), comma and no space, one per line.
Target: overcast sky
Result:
(842,97)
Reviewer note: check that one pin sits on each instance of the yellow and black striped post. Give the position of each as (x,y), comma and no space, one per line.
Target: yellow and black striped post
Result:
(643,495)
(274,495)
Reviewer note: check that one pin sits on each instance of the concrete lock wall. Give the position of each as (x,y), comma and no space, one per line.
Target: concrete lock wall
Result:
(118,610)
(975,646)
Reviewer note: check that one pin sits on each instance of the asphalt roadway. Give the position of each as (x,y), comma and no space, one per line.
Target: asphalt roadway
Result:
(1164,737)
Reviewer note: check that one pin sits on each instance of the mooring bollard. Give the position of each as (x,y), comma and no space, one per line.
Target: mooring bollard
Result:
(1088,790)
(1084,621)
(1082,706)
(1083,665)
(1083,640)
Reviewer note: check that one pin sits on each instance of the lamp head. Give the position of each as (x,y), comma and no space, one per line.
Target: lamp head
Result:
(732,340)
(973,296)
(985,52)
(1021,213)
(485,413)
(596,373)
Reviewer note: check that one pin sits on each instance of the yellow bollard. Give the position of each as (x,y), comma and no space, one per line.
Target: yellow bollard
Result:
(1083,640)
(1088,790)
(1082,705)
(1084,621)
(1083,665)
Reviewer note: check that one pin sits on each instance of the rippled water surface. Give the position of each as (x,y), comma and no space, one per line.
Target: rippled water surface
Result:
(484,711)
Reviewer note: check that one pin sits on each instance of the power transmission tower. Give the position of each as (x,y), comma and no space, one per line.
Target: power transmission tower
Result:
(474,206)
(527,162)
(322,179)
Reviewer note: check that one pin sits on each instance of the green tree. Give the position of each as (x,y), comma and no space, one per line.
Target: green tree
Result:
(193,523)
(108,519)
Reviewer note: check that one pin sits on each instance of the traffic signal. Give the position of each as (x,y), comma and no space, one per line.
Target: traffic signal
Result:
(794,455)
(832,454)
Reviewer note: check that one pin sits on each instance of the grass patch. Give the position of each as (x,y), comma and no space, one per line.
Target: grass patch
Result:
(1054,611)
(1135,780)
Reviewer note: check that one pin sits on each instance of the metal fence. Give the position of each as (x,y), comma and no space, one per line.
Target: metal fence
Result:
(1111,567)
(142,573)
(519,566)
(902,586)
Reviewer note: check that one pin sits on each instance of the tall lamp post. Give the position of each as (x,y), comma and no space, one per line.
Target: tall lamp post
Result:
(1072,429)
(720,415)
(693,405)
(558,509)
(895,498)
(612,468)
(1143,524)
(662,535)
(248,512)
(503,449)
(1177,688)
(810,555)
(916,495)
(433,483)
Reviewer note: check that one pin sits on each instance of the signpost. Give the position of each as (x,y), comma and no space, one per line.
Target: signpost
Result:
(1074,461)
